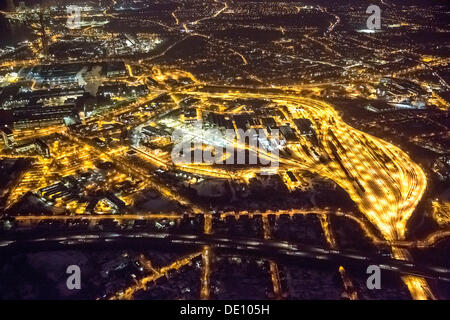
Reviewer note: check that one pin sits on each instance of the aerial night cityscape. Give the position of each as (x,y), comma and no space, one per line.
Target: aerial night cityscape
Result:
(225,150)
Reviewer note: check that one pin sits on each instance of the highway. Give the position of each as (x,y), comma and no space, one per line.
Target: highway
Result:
(427,242)
(244,246)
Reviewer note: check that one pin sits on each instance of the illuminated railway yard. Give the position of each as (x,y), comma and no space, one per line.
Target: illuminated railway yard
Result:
(92,163)
(379,177)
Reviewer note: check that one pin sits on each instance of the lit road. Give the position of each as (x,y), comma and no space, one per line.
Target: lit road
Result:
(261,247)
(427,242)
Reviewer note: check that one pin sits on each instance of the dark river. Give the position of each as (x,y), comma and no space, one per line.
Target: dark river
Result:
(12,33)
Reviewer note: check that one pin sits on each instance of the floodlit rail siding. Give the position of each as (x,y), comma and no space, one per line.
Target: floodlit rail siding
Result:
(379,177)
